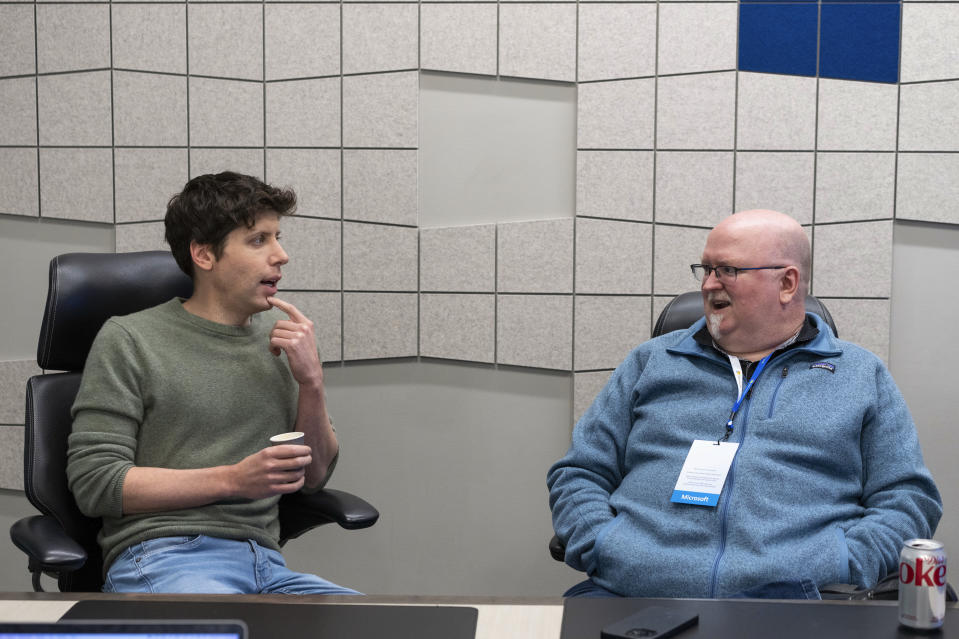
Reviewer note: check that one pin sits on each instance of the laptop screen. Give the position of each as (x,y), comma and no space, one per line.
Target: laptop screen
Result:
(125,630)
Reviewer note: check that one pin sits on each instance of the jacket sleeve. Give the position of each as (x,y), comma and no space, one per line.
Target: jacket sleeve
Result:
(107,414)
(899,496)
(582,482)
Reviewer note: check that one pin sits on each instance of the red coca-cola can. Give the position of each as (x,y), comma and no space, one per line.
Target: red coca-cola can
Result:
(922,584)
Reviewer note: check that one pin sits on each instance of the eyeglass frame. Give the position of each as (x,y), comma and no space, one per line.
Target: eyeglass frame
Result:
(709,269)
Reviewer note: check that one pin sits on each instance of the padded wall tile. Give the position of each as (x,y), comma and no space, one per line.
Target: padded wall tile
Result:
(538,40)
(74,109)
(145,181)
(381,110)
(303,113)
(853,260)
(379,325)
(458,326)
(616,115)
(929,42)
(696,111)
(11,457)
(313,173)
(18,45)
(225,113)
(226,40)
(607,329)
(314,249)
(694,187)
(863,322)
(13,383)
(149,37)
(616,41)
(380,186)
(140,236)
(859,41)
(615,184)
(855,186)
(149,109)
(18,103)
(379,258)
(248,161)
(696,37)
(380,37)
(613,257)
(325,310)
(676,248)
(461,258)
(535,257)
(774,180)
(72,37)
(776,112)
(19,182)
(857,116)
(927,187)
(928,117)
(459,37)
(302,40)
(778,38)
(586,386)
(535,331)
(61,170)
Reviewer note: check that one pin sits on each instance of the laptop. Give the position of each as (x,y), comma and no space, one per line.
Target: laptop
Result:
(120,629)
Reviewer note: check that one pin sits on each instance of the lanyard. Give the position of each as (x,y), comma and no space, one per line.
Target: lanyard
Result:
(737,369)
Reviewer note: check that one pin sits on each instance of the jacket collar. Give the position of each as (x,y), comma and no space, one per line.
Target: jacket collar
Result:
(815,337)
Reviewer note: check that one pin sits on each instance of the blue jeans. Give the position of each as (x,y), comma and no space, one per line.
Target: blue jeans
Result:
(802,589)
(210,565)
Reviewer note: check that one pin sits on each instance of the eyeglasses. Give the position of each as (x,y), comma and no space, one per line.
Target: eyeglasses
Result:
(729,273)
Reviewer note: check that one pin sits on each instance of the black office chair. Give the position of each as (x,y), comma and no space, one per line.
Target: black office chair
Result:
(682,312)
(85,290)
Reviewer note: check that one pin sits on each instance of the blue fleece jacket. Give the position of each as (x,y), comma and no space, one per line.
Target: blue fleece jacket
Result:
(827,484)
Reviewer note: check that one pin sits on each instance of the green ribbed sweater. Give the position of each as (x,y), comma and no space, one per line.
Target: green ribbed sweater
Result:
(168,389)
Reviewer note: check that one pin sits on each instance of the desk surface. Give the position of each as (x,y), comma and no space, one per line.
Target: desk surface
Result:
(542,618)
(498,618)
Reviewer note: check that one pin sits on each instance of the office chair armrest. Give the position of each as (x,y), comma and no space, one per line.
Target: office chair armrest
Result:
(300,512)
(557,549)
(49,548)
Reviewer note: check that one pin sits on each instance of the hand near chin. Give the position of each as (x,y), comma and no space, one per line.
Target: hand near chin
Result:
(295,337)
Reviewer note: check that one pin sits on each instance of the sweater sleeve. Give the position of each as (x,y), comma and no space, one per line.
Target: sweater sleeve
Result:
(107,415)
(901,500)
(582,482)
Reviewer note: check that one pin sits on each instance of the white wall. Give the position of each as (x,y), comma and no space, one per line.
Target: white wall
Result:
(924,351)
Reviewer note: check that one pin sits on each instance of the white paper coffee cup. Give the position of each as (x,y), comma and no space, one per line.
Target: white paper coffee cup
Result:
(294,437)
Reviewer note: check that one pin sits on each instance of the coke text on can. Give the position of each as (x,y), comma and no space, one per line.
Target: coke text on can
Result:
(922,584)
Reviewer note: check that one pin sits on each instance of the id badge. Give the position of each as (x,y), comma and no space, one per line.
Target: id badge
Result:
(704,473)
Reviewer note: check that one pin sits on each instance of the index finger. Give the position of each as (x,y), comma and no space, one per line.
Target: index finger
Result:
(293,312)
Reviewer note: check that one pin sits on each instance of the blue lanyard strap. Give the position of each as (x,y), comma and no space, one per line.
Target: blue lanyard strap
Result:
(742,396)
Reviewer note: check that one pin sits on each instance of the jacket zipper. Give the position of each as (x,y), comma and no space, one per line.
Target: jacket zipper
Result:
(772,403)
(727,496)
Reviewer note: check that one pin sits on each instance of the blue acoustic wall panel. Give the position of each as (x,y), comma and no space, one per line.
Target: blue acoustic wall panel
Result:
(860,42)
(778,38)
(851,40)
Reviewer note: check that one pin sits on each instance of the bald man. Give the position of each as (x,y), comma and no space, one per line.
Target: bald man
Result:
(753,454)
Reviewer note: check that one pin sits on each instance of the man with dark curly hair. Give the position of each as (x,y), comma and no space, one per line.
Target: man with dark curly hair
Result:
(170,441)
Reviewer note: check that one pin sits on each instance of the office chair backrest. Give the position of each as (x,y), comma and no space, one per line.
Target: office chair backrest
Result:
(85,290)
(684,309)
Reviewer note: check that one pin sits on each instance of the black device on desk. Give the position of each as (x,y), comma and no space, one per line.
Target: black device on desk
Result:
(298,620)
(654,622)
(115,629)
(586,617)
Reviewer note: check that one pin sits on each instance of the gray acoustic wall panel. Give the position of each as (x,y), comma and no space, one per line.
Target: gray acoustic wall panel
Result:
(458,326)
(458,259)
